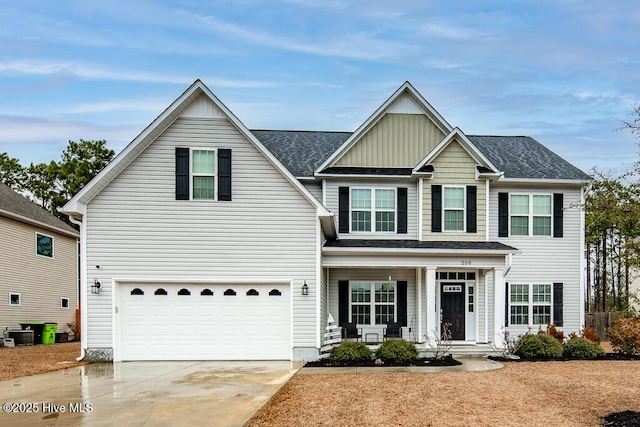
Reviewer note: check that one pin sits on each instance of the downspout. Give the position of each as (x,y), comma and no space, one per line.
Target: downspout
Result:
(83,286)
(508,263)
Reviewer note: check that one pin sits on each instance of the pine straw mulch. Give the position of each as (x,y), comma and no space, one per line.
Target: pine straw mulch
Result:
(22,361)
(574,393)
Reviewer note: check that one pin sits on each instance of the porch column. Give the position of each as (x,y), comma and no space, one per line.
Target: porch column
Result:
(432,318)
(498,306)
(419,298)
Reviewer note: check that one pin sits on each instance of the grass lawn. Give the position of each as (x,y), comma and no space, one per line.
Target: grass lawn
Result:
(572,393)
(21,361)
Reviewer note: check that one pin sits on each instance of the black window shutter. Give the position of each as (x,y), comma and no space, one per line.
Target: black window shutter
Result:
(558,209)
(506,305)
(436,208)
(343,209)
(472,209)
(503,214)
(402,302)
(343,302)
(402,211)
(557,304)
(224,174)
(182,173)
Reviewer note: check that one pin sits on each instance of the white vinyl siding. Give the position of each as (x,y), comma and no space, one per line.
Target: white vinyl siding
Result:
(136,228)
(546,260)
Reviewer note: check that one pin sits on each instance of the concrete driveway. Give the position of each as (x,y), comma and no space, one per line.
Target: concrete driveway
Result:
(144,394)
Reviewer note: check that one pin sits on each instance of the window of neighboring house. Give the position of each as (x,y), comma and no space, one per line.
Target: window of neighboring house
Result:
(64,302)
(382,305)
(530,304)
(453,208)
(530,215)
(203,174)
(44,245)
(14,299)
(373,210)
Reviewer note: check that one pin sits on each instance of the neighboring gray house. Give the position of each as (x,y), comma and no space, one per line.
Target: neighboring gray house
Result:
(213,241)
(38,264)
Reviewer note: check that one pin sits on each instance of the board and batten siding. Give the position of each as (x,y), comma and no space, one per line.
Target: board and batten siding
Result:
(136,229)
(412,205)
(397,140)
(40,281)
(545,259)
(454,167)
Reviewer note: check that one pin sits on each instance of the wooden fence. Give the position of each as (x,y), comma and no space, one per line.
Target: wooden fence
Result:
(601,322)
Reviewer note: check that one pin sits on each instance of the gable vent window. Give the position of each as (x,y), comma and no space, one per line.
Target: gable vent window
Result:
(137,291)
(160,291)
(230,292)
(252,292)
(275,292)
(207,292)
(184,291)
(203,174)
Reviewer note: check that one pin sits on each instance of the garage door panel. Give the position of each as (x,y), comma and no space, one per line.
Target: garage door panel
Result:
(200,326)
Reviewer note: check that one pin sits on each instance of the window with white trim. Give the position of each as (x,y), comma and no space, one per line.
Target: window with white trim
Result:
(203,174)
(44,245)
(453,208)
(373,210)
(382,305)
(530,304)
(530,214)
(14,299)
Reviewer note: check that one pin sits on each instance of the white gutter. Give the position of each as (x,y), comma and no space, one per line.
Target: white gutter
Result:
(83,288)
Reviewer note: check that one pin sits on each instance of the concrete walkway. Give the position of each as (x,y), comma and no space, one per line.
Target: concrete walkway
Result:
(468,365)
(144,394)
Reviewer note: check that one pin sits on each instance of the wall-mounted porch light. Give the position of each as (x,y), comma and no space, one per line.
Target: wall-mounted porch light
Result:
(95,288)
(305,288)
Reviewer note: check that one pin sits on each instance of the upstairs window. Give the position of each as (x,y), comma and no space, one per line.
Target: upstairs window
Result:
(203,174)
(530,215)
(453,207)
(44,245)
(373,210)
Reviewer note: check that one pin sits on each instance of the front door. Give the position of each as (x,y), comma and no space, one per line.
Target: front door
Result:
(452,309)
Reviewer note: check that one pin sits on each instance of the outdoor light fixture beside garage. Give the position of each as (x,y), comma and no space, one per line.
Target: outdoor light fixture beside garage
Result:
(95,288)
(305,288)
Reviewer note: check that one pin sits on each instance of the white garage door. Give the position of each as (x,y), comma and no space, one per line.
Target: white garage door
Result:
(203,322)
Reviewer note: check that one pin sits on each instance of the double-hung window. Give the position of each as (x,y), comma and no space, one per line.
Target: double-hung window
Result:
(530,304)
(203,174)
(373,210)
(453,208)
(382,305)
(530,215)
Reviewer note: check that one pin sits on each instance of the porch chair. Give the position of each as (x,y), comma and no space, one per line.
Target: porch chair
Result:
(350,330)
(393,330)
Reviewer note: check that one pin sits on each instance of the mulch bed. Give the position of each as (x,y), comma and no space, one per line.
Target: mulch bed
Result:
(607,356)
(327,363)
(622,419)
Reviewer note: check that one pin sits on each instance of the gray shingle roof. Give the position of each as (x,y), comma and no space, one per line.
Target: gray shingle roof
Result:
(524,157)
(302,152)
(18,205)
(417,244)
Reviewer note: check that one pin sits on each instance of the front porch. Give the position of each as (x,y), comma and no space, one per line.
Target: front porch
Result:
(422,290)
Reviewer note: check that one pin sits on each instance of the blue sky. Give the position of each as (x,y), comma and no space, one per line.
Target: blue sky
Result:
(563,72)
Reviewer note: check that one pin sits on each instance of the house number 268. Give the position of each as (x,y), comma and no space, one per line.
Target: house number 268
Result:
(465,262)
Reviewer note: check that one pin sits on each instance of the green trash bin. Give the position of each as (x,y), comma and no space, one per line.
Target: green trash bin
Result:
(49,333)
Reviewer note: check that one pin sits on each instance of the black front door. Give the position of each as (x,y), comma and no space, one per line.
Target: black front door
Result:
(452,308)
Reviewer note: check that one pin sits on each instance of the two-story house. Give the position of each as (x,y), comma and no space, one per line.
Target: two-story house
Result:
(213,241)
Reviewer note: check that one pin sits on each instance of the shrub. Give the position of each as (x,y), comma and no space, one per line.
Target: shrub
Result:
(625,336)
(582,348)
(554,332)
(350,352)
(540,346)
(397,351)
(590,334)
